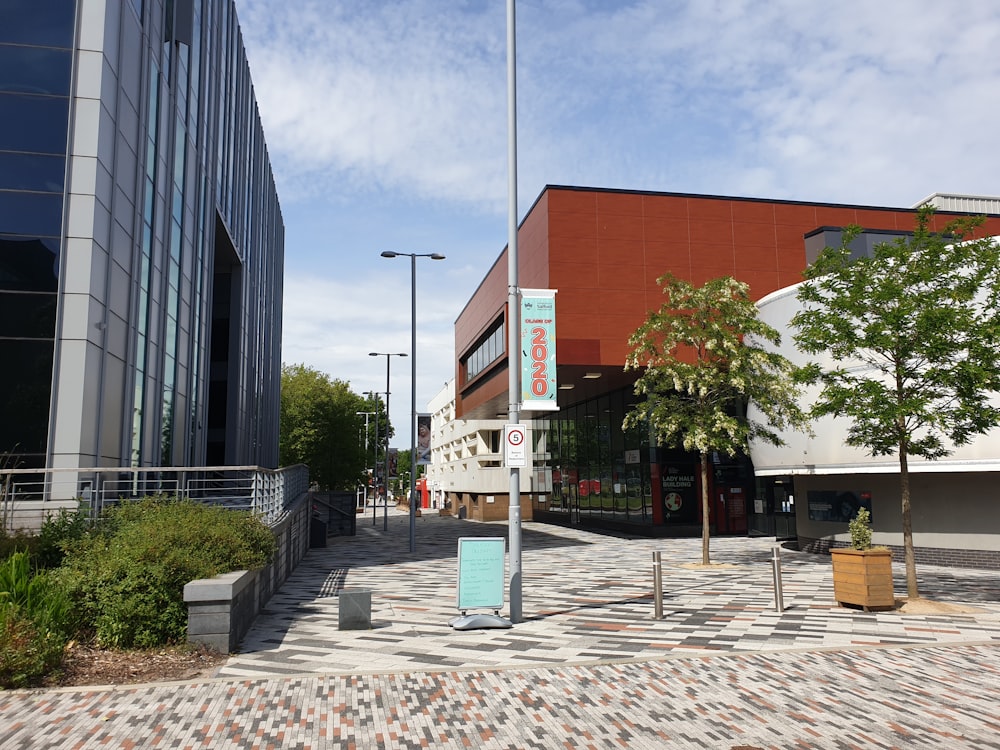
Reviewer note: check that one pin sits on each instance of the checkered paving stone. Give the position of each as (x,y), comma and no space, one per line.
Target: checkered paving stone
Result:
(589,666)
(941,696)
(586,597)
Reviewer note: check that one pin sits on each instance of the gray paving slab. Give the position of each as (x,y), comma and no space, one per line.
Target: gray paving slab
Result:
(589,667)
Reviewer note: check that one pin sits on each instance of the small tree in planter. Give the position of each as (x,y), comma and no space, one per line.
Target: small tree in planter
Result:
(862,574)
(861,530)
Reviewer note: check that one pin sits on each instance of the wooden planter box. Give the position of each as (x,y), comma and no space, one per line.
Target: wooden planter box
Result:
(863,578)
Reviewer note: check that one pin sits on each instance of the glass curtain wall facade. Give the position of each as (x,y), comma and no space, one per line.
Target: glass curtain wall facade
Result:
(36,57)
(597,472)
(134,184)
(591,471)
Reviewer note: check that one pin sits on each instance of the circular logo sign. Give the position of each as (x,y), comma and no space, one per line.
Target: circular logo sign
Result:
(673,501)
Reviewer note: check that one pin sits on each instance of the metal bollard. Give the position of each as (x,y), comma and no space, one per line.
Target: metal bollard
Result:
(776,566)
(657,586)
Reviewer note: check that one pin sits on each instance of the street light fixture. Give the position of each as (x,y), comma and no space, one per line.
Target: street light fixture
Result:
(388,356)
(413,382)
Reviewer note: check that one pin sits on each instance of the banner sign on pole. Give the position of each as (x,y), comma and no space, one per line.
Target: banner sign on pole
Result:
(538,350)
(423,439)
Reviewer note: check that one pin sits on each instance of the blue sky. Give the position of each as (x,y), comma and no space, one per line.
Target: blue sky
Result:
(386,126)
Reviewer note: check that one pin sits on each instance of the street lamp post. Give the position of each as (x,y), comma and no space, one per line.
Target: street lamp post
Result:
(513,329)
(413,383)
(388,356)
(375,395)
(367,414)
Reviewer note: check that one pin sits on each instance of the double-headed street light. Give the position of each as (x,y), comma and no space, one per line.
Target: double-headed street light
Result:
(388,356)
(413,382)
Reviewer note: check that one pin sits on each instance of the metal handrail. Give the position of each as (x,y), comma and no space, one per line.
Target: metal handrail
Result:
(265,492)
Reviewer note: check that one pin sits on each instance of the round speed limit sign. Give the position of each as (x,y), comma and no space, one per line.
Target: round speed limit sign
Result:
(514,447)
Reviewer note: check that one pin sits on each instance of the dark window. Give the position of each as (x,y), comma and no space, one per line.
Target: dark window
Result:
(31,213)
(27,315)
(33,123)
(30,22)
(34,70)
(32,172)
(24,395)
(29,265)
(486,352)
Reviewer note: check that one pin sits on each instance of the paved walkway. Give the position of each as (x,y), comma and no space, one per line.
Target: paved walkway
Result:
(589,667)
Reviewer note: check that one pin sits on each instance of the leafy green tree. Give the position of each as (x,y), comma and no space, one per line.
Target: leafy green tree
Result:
(321,427)
(914,330)
(703,358)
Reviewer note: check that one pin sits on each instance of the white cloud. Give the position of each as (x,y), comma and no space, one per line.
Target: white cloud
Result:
(389,118)
(363,96)
(331,326)
(832,101)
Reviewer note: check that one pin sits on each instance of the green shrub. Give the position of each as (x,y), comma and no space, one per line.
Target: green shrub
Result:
(18,541)
(57,532)
(128,574)
(861,530)
(27,653)
(37,594)
(35,621)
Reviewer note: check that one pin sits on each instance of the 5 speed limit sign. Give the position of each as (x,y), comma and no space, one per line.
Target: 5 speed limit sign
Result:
(515,450)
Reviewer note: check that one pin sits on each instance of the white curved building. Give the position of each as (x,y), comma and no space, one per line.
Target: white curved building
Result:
(955,500)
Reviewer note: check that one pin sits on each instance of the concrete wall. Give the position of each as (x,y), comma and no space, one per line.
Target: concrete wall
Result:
(955,515)
(222,609)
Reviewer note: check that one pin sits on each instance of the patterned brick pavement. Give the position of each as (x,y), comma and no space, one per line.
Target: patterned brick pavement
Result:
(589,667)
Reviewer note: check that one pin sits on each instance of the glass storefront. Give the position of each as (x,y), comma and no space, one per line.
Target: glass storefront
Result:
(595,470)
(591,471)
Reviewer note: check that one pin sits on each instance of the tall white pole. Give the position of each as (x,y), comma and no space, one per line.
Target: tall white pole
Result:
(413,382)
(375,471)
(513,317)
(413,399)
(385,505)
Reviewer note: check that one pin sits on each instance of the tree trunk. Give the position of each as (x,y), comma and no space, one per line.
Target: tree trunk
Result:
(912,591)
(704,510)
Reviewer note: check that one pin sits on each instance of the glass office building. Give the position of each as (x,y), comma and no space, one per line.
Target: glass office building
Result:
(141,239)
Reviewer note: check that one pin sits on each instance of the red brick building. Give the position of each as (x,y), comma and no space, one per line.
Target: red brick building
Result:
(603,251)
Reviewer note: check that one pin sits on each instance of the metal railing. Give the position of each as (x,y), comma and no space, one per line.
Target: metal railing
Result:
(27,496)
(337,512)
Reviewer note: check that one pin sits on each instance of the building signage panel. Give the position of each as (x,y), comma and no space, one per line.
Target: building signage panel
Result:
(538,350)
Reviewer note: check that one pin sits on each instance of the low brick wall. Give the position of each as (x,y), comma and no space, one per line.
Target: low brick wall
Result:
(222,609)
(958,558)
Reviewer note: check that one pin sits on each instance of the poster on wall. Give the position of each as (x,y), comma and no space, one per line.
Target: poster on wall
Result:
(538,350)
(680,502)
(839,506)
